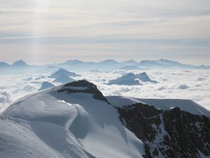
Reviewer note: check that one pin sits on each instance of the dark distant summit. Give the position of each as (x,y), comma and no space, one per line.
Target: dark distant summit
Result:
(19,63)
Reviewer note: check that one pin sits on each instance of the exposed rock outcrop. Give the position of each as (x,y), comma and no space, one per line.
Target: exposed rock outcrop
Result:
(172,133)
(83,86)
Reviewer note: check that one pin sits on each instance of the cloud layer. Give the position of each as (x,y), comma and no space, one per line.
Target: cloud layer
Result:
(176,84)
(5,97)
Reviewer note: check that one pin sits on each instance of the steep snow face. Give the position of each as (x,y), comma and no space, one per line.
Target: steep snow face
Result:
(69,124)
(164,104)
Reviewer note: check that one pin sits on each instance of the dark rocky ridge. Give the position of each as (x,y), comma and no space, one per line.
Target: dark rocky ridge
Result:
(172,133)
(88,88)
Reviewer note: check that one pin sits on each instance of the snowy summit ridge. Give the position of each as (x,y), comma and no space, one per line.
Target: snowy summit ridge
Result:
(83,86)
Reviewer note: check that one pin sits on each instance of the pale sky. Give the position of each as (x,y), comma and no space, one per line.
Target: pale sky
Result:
(47,31)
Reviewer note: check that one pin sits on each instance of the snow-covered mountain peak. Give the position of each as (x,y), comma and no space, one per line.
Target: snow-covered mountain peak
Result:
(132,79)
(19,63)
(61,72)
(75,120)
(82,86)
(64,124)
(81,83)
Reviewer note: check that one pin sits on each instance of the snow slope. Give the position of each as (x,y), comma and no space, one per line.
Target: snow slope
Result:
(164,104)
(62,124)
(20,138)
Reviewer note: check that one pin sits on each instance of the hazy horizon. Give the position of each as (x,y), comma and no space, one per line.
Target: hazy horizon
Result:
(97,61)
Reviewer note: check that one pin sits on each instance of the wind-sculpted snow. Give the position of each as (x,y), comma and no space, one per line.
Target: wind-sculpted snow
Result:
(20,138)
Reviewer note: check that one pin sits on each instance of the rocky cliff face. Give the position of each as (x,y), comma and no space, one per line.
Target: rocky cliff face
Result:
(172,133)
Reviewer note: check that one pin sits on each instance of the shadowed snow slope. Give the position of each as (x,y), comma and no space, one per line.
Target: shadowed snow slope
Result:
(73,120)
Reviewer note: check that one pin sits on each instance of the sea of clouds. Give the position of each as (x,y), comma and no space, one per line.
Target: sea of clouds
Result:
(174,84)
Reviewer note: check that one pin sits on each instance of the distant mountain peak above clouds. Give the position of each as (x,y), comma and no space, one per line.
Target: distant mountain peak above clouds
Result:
(130,62)
(61,72)
(3,64)
(132,79)
(19,63)
(168,61)
(74,62)
(109,61)
(106,65)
